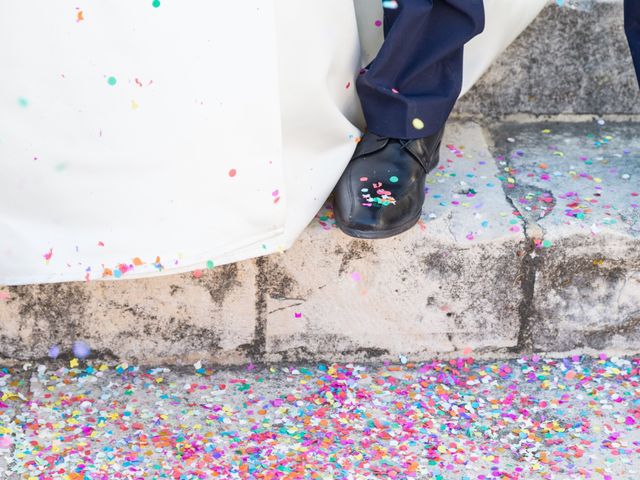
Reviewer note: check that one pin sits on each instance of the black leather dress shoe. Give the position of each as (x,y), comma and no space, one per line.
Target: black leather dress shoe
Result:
(381,192)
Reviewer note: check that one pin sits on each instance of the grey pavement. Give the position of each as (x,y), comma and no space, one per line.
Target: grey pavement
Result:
(529,418)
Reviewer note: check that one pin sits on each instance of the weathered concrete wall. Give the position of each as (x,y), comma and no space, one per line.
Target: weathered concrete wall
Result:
(570,60)
(469,278)
(590,297)
(170,319)
(587,286)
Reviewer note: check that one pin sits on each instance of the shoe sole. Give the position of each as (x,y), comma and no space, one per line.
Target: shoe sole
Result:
(376,234)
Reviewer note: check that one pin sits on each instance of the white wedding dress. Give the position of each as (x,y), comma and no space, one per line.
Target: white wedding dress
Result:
(145,138)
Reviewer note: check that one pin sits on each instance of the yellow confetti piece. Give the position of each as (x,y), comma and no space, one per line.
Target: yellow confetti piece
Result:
(417,124)
(73,363)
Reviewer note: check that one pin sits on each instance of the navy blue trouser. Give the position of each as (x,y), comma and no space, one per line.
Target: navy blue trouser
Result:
(632,29)
(411,86)
(409,89)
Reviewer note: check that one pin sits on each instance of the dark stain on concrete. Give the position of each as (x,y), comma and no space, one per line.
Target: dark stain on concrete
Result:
(173,289)
(303,353)
(601,338)
(321,346)
(220,281)
(450,268)
(589,281)
(272,281)
(191,336)
(527,312)
(256,349)
(356,250)
(581,271)
(54,309)
(276,281)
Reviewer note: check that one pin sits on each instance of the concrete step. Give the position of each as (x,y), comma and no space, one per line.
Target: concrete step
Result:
(573,58)
(528,241)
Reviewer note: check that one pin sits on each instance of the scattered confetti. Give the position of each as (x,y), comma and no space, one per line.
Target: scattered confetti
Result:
(381,198)
(529,418)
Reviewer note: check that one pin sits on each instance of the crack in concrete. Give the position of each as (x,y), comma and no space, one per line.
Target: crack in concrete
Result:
(449,225)
(527,312)
(285,307)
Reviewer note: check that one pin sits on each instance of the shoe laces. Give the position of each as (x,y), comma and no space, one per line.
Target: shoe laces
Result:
(404,143)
